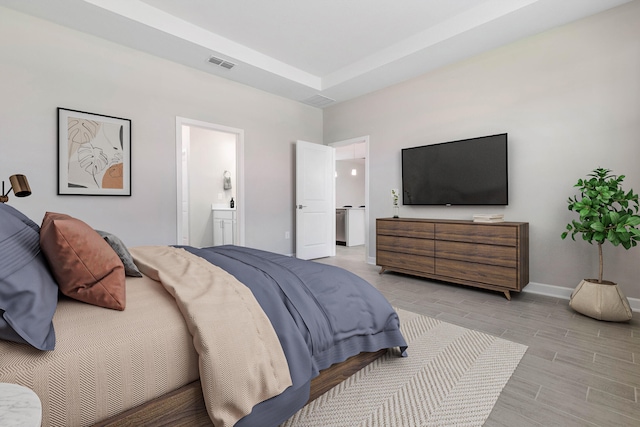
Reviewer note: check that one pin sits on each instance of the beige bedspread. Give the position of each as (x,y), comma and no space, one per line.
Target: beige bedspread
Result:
(240,358)
(106,361)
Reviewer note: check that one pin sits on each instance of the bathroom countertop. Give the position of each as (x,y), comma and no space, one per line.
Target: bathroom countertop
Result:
(215,207)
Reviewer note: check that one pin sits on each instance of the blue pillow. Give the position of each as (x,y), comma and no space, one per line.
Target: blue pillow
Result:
(28,292)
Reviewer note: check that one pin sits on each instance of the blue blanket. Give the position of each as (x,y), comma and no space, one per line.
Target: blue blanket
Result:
(321,314)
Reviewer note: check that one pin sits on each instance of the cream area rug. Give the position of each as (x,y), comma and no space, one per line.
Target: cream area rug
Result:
(452,377)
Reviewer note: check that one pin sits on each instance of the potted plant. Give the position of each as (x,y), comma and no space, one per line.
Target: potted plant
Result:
(606,213)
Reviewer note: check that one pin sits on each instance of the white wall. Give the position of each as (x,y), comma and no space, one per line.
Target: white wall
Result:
(349,188)
(44,66)
(570,101)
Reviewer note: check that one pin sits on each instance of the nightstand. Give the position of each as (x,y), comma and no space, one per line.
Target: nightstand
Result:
(19,406)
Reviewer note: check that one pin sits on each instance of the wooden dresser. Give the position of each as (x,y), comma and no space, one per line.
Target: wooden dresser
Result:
(485,255)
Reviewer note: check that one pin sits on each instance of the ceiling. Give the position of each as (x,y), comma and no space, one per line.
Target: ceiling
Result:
(319,52)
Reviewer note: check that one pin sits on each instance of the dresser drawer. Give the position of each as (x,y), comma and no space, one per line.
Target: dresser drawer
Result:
(417,229)
(506,256)
(405,245)
(416,263)
(478,233)
(490,274)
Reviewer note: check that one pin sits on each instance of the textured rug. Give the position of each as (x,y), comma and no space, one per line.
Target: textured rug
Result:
(452,377)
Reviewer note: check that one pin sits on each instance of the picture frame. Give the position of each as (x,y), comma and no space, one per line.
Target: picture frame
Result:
(94,154)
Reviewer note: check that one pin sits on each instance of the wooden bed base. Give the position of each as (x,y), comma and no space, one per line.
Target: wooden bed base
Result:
(185,406)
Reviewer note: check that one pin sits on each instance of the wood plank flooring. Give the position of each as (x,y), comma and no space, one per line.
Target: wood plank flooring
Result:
(577,371)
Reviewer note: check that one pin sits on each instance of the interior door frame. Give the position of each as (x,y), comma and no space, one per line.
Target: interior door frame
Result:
(239,133)
(356,140)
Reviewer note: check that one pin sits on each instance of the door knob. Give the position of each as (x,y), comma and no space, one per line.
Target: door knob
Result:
(301,206)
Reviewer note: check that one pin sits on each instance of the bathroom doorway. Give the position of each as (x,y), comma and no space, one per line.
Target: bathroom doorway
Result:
(209,175)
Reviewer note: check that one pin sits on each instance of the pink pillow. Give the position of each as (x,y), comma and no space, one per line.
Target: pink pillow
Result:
(82,262)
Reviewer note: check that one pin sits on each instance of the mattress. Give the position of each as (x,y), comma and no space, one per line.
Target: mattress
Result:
(106,361)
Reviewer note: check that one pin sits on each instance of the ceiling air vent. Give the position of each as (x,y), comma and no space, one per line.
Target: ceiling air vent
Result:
(318,101)
(221,62)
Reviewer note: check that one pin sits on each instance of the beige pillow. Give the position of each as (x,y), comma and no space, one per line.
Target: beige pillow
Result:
(83,264)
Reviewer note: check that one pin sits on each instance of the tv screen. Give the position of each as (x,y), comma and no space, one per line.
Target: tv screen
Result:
(466,172)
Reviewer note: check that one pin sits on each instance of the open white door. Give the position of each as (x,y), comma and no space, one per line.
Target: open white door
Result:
(315,201)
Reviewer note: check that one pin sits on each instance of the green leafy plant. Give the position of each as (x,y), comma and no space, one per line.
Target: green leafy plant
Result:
(394,195)
(606,212)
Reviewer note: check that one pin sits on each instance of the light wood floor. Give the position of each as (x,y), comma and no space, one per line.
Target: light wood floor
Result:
(577,371)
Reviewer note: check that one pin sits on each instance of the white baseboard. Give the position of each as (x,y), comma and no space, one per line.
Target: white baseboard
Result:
(551,290)
(548,290)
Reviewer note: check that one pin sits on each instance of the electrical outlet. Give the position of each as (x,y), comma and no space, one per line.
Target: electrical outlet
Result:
(220,196)
(287,235)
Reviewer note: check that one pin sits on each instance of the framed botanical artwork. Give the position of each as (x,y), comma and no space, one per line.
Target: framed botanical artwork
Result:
(94,154)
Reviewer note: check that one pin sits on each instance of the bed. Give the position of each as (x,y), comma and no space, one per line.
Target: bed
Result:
(167,335)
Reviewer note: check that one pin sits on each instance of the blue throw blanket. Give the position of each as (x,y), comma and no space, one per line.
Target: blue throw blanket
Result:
(321,314)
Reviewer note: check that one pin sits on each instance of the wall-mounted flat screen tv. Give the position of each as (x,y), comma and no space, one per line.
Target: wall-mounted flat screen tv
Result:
(466,172)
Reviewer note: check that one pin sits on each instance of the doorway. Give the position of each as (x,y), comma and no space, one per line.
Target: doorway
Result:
(210,172)
(353,155)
